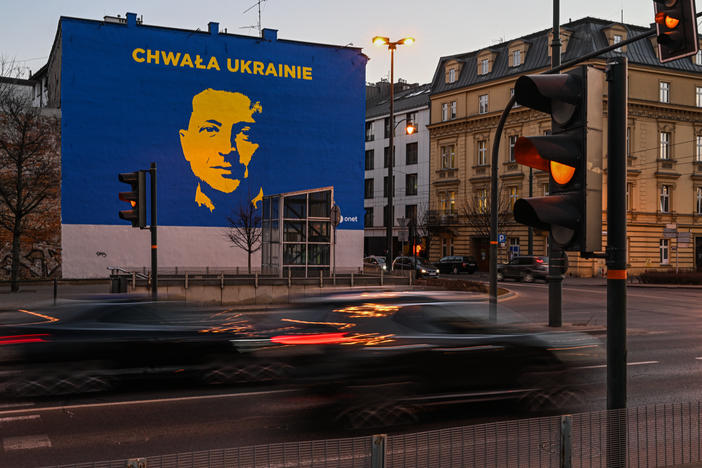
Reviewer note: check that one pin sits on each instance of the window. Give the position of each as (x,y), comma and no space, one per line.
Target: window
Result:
(617,40)
(629,197)
(368,218)
(386,157)
(628,141)
(664,248)
(386,127)
(452,201)
(544,189)
(369,131)
(453,110)
(698,57)
(444,112)
(411,118)
(411,213)
(513,197)
(484,66)
(452,75)
(511,93)
(482,200)
(483,104)
(442,202)
(698,148)
(698,96)
(411,153)
(370,155)
(698,201)
(516,58)
(385,186)
(411,184)
(446,246)
(512,143)
(665,145)
(664,206)
(368,192)
(664,94)
(482,153)
(447,157)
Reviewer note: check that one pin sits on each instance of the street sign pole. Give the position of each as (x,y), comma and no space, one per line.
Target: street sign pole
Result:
(154,243)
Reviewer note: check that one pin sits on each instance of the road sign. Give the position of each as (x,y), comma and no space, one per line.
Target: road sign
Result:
(501,238)
(403,235)
(402,222)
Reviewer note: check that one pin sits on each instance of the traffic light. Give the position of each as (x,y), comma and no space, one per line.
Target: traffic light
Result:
(136,197)
(676,26)
(571,154)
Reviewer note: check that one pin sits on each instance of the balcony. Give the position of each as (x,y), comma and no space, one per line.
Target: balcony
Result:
(442,218)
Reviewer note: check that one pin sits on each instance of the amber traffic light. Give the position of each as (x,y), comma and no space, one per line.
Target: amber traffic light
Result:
(676,27)
(571,154)
(136,197)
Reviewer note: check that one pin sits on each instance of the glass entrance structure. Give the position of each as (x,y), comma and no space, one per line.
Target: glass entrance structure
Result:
(297,233)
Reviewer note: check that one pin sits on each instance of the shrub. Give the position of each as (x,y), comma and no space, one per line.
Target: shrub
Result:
(671,277)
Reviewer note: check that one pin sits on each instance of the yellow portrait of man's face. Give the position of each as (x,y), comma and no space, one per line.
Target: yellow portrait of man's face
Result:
(216,142)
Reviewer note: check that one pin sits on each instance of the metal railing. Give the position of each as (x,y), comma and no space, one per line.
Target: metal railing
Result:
(652,436)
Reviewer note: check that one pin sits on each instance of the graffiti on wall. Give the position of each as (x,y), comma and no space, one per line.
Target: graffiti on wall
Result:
(41,260)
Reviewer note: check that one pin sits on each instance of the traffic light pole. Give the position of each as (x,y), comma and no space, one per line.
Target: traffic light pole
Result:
(616,258)
(154,243)
(555,272)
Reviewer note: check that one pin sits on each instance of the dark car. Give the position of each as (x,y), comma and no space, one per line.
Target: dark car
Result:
(374,264)
(457,264)
(383,359)
(417,264)
(84,346)
(525,268)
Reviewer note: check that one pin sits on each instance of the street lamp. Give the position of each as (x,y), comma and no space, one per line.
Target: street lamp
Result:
(385,41)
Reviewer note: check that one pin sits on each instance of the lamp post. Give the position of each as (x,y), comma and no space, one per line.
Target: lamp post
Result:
(392,45)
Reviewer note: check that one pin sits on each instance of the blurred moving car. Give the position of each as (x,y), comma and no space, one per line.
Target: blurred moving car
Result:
(374,264)
(457,264)
(417,264)
(88,346)
(383,359)
(525,268)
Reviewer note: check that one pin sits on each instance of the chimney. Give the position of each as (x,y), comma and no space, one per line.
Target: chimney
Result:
(131,19)
(213,27)
(269,34)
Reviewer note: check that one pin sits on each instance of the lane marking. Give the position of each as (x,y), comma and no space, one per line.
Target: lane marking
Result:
(15,405)
(20,418)
(26,442)
(145,402)
(600,366)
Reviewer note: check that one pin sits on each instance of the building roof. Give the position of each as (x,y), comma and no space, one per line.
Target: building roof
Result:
(587,35)
(412,98)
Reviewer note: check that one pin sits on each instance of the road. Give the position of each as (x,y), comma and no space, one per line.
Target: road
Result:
(665,366)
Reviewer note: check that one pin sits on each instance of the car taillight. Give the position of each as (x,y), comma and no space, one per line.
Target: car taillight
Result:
(20,339)
(463,264)
(316,338)
(539,260)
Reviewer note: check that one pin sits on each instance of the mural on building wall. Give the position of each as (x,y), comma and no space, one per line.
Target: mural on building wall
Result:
(40,260)
(226,118)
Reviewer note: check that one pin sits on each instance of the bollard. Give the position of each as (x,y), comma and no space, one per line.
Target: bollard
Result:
(566,448)
(255,280)
(378,451)
(321,279)
(334,279)
(352,279)
(186,280)
(289,279)
(221,280)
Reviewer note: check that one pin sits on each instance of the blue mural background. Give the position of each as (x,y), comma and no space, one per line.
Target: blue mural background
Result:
(119,115)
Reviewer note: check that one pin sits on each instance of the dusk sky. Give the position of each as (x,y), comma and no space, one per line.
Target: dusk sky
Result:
(441,27)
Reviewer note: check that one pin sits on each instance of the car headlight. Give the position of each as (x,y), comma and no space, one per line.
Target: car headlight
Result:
(385,267)
(423,270)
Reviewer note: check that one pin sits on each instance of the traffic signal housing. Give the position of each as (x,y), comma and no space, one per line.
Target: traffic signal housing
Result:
(571,154)
(676,27)
(136,197)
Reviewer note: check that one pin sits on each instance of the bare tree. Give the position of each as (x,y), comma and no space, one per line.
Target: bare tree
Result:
(29,164)
(245,229)
(476,212)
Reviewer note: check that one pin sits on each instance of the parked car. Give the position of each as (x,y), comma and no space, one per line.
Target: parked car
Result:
(457,264)
(374,263)
(524,268)
(386,358)
(420,266)
(98,345)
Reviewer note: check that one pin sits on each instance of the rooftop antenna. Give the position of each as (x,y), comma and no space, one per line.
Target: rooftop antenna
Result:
(258,25)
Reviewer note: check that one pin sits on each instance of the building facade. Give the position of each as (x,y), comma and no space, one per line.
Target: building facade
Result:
(664,148)
(410,167)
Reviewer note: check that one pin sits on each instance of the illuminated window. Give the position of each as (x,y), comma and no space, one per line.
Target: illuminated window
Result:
(452,202)
(664,249)
(483,104)
(482,153)
(664,92)
(665,145)
(482,200)
(664,204)
(513,197)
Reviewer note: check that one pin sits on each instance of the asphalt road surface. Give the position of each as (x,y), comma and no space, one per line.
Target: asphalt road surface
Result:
(664,366)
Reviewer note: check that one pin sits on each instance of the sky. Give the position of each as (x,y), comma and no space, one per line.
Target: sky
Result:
(440,27)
